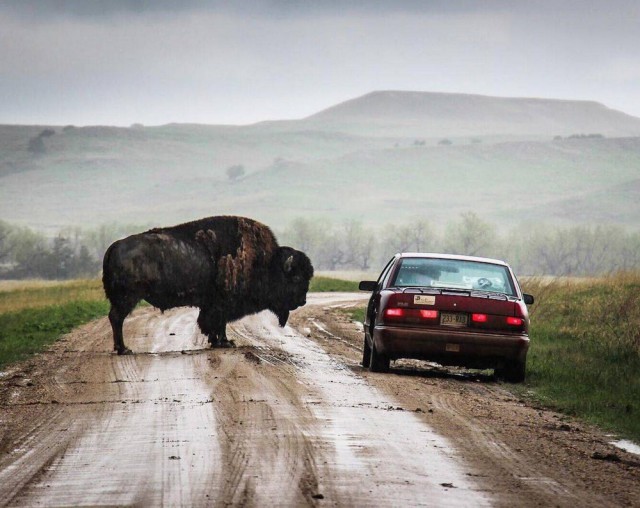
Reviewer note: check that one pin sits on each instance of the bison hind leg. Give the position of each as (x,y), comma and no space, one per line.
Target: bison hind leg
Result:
(120,309)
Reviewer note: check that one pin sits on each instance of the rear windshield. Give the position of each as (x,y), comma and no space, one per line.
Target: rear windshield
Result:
(453,274)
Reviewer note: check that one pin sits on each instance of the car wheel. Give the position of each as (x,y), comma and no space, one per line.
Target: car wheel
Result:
(366,353)
(379,362)
(512,373)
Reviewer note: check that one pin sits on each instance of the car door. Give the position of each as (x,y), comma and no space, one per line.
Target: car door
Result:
(372,307)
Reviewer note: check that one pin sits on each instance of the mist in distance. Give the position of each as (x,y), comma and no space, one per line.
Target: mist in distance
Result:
(125,62)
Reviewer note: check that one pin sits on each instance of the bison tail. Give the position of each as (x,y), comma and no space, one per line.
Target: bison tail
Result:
(108,277)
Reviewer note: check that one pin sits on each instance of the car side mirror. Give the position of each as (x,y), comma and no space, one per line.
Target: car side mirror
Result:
(367,285)
(528,299)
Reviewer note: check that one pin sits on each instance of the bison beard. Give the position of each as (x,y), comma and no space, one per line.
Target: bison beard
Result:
(228,267)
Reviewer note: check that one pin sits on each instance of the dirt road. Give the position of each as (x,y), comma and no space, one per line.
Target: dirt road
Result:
(286,418)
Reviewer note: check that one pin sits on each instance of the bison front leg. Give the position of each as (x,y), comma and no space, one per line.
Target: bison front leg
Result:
(213,324)
(222,338)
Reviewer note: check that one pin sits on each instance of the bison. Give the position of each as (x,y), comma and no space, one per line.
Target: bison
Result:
(228,267)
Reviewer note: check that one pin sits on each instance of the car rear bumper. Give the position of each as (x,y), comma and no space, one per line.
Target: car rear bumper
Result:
(451,346)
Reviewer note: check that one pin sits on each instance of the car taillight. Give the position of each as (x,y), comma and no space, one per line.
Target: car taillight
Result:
(410,315)
(394,312)
(479,318)
(514,321)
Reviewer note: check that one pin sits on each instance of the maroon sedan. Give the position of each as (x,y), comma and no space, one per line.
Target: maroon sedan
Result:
(453,310)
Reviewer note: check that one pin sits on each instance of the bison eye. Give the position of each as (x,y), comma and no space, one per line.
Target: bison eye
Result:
(297,278)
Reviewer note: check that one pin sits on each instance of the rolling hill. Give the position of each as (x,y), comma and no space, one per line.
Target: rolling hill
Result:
(432,115)
(379,158)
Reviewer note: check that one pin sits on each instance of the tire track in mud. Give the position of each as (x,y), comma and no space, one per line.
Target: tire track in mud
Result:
(36,425)
(518,468)
(366,452)
(143,429)
(266,455)
(33,452)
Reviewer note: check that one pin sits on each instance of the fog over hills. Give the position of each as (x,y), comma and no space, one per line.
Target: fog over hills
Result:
(379,158)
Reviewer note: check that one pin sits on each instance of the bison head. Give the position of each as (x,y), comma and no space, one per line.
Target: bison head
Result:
(291,271)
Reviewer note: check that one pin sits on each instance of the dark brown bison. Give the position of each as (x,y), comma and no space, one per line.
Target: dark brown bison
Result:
(228,267)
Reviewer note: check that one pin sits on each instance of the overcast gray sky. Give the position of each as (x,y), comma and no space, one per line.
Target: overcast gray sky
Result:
(87,62)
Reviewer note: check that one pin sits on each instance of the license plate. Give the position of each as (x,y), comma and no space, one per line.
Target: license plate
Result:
(453,319)
(424,300)
(452,348)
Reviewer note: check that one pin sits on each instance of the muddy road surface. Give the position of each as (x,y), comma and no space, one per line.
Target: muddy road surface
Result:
(287,418)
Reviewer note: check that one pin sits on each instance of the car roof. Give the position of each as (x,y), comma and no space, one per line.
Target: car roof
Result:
(451,256)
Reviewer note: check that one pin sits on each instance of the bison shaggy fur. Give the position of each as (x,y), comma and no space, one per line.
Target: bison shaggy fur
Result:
(228,267)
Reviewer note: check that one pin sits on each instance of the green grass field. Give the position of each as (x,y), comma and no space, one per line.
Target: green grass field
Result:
(585,350)
(36,314)
(26,332)
(95,175)
(324,284)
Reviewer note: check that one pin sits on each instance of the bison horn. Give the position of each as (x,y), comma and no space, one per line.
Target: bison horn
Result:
(287,264)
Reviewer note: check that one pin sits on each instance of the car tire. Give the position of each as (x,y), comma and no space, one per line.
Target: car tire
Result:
(366,353)
(379,362)
(512,373)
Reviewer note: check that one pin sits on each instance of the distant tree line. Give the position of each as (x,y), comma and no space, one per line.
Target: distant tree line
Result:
(531,250)
(580,136)
(72,253)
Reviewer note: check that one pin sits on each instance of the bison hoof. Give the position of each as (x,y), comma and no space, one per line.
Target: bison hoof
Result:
(125,351)
(224,344)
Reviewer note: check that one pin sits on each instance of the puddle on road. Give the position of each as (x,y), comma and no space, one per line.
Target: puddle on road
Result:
(376,453)
(627,446)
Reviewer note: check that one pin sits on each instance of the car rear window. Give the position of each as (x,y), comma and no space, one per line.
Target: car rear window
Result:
(453,274)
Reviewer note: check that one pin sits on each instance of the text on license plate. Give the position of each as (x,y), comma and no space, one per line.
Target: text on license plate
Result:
(453,319)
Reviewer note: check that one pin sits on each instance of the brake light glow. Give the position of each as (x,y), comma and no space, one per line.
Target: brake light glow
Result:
(514,321)
(410,314)
(479,318)
(394,312)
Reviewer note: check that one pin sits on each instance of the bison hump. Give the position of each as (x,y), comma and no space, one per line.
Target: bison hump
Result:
(251,260)
(209,241)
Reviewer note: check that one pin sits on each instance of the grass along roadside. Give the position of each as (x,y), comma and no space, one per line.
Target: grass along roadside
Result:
(584,357)
(20,295)
(323,284)
(27,332)
(34,314)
